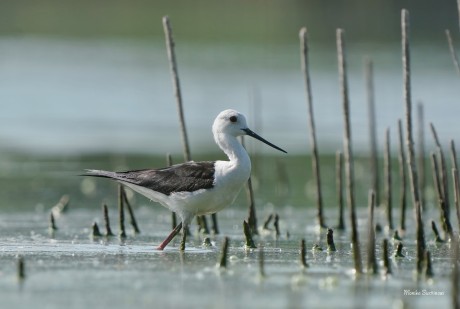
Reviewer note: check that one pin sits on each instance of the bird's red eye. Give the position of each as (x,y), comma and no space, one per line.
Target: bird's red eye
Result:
(233,118)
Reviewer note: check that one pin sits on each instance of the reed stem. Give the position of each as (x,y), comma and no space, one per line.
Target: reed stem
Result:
(374,164)
(348,153)
(372,266)
(311,122)
(409,139)
(339,188)
(108,230)
(170,48)
(402,177)
(421,153)
(387,174)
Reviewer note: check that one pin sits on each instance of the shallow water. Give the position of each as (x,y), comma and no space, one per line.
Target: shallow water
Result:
(72,269)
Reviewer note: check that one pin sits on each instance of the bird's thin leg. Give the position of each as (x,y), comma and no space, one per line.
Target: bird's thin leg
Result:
(170,237)
(184,236)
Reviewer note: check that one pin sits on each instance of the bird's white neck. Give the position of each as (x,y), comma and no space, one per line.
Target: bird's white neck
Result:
(233,149)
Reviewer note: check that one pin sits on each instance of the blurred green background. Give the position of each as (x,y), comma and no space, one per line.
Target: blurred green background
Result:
(264,21)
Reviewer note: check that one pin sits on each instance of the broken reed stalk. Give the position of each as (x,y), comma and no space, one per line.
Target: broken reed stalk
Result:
(176,84)
(441,202)
(330,241)
(224,253)
(96,232)
(132,218)
(339,187)
(108,230)
(52,223)
(438,238)
(276,224)
(121,212)
(442,173)
(387,174)
(303,254)
(402,177)
(409,139)
(457,193)
(372,266)
(311,122)
(453,53)
(386,259)
(421,152)
(398,251)
(248,236)
(267,222)
(369,77)
(348,154)
(428,268)
(455,177)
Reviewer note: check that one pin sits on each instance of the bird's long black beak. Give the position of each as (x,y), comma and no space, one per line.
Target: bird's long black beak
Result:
(256,136)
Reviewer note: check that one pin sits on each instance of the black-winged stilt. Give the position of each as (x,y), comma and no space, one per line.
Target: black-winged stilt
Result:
(196,188)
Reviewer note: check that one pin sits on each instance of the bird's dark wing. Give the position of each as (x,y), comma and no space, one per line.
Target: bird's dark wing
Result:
(185,177)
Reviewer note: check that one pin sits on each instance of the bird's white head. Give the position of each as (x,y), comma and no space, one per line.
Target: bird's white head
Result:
(233,123)
(229,122)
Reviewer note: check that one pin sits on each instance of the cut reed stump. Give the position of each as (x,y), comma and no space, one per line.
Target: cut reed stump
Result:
(311,122)
(224,253)
(386,258)
(348,153)
(409,139)
(108,230)
(248,236)
(121,213)
(303,254)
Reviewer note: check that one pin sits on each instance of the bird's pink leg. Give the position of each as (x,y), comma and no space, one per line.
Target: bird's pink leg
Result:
(170,237)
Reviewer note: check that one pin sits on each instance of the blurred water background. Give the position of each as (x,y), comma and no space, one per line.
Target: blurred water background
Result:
(92,76)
